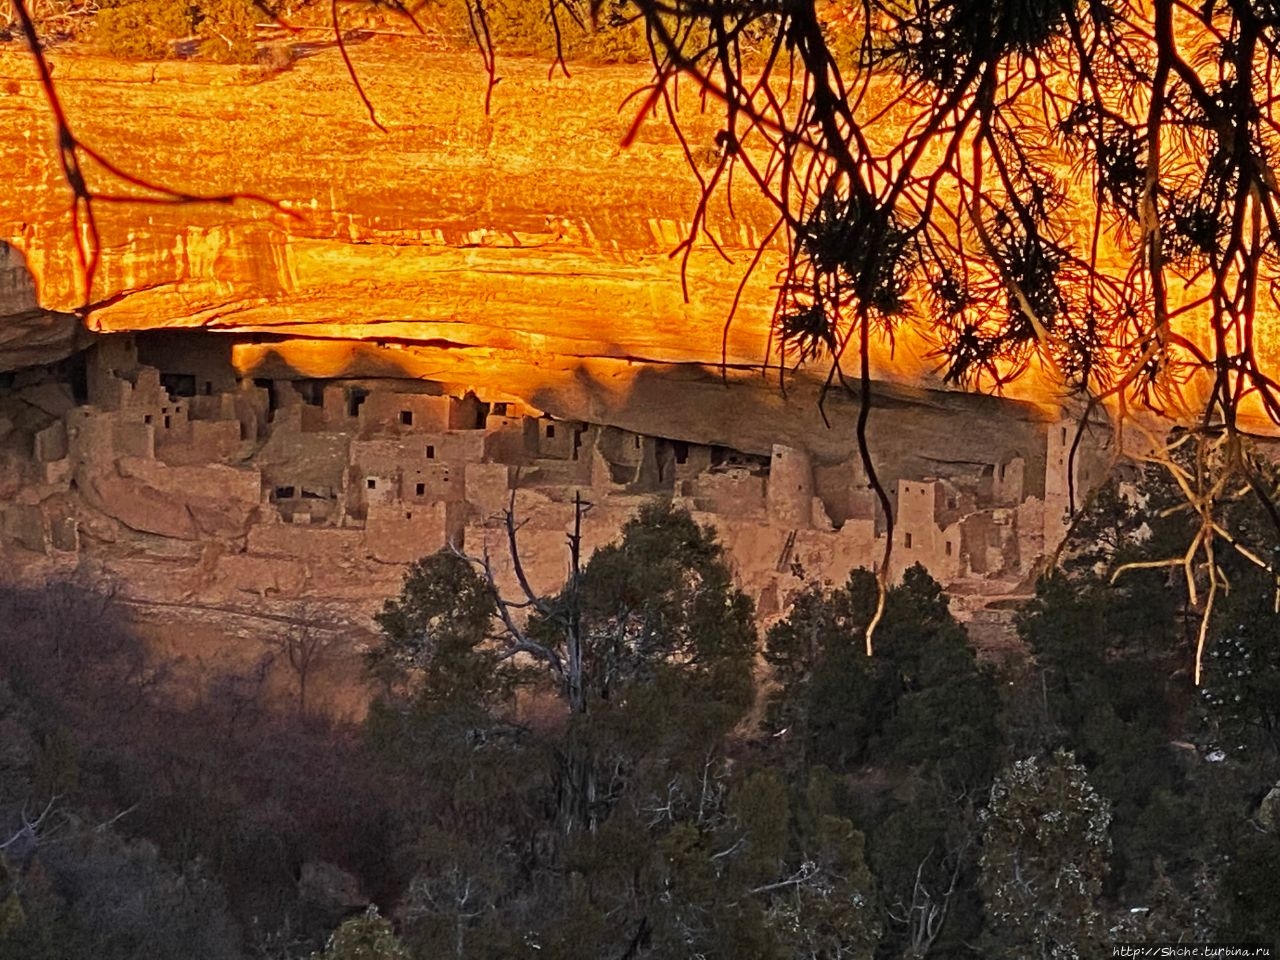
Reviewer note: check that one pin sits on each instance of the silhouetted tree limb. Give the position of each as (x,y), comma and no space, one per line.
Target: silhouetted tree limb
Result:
(72,152)
(921,157)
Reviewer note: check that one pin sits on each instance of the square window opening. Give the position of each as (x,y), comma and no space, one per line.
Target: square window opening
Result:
(355,398)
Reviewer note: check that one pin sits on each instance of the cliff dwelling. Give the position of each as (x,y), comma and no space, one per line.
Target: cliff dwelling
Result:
(279,425)
(352,356)
(159,461)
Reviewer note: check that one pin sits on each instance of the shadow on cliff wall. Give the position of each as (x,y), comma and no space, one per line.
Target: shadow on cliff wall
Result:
(29,334)
(912,431)
(17,285)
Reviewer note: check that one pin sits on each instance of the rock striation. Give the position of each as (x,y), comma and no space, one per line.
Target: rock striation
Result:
(495,243)
(520,251)
(279,410)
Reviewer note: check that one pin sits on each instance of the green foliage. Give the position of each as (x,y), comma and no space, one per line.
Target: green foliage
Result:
(437,630)
(921,701)
(761,808)
(775,873)
(1241,685)
(830,698)
(921,713)
(505,823)
(661,600)
(1174,912)
(368,937)
(1108,658)
(947,714)
(837,916)
(1045,849)
(564,834)
(1114,678)
(1250,890)
(623,827)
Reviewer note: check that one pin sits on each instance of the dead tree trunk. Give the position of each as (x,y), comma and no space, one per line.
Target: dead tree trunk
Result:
(565,658)
(577,794)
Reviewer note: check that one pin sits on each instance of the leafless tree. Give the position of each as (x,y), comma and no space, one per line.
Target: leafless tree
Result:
(27,837)
(564,660)
(925,915)
(304,646)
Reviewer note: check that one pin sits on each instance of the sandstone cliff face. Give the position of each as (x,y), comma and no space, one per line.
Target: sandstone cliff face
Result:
(521,255)
(201,498)
(523,249)
(527,230)
(30,334)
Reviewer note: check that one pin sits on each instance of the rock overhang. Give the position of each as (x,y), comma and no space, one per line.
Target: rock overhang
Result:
(520,250)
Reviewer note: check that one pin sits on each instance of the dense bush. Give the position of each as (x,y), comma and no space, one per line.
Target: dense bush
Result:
(921,717)
(1045,854)
(617,824)
(494,807)
(149,29)
(1182,768)
(214,797)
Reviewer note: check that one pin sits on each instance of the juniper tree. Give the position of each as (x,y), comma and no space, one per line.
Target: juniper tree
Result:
(1182,768)
(922,715)
(1044,858)
(610,818)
